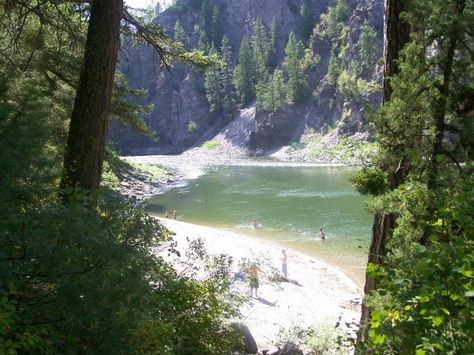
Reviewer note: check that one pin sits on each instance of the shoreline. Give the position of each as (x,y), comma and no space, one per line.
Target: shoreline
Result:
(318,293)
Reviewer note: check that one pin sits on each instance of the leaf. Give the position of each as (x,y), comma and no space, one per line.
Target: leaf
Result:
(469,293)
(437,321)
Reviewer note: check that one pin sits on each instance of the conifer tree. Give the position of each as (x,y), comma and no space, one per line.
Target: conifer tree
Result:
(203,42)
(179,34)
(243,74)
(260,46)
(270,92)
(306,20)
(217,27)
(226,74)
(212,83)
(297,83)
(84,154)
(367,46)
(274,37)
(206,12)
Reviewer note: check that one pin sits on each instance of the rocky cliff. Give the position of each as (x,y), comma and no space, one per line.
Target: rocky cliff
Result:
(341,83)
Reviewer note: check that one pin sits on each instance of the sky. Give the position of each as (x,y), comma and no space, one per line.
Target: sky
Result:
(144,3)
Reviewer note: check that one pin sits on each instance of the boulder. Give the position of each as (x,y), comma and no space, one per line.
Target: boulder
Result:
(242,331)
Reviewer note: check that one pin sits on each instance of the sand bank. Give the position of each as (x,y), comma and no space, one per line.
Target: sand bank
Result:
(320,294)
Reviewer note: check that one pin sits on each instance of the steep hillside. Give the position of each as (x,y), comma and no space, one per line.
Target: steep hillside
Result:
(318,79)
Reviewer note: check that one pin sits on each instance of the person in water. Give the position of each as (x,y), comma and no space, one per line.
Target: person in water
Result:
(166,214)
(284,265)
(255,224)
(174,214)
(322,236)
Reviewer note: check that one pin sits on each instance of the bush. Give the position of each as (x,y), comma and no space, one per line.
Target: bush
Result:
(192,127)
(211,144)
(370,181)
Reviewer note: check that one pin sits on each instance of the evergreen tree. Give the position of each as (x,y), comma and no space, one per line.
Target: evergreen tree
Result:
(227,79)
(270,92)
(274,37)
(297,85)
(260,45)
(203,42)
(84,154)
(212,83)
(368,46)
(217,27)
(206,12)
(306,20)
(421,261)
(179,34)
(219,84)
(333,68)
(244,73)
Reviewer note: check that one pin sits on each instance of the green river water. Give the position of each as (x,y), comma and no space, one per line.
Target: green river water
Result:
(289,203)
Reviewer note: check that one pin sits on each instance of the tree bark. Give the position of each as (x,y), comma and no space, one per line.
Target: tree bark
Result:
(88,128)
(396,35)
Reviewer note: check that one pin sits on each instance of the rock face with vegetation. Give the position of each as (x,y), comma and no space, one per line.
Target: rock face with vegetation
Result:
(295,65)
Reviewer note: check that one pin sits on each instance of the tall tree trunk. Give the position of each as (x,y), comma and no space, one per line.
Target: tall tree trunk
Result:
(396,35)
(87,132)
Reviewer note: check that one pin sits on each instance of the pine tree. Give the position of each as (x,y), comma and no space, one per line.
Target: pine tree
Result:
(306,20)
(271,92)
(179,34)
(274,37)
(203,42)
(260,45)
(84,154)
(243,74)
(217,27)
(227,78)
(297,85)
(206,12)
(212,83)
(367,46)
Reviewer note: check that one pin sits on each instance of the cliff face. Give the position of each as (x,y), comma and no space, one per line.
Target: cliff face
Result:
(181,117)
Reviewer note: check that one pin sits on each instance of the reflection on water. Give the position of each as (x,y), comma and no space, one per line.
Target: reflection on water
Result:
(290,203)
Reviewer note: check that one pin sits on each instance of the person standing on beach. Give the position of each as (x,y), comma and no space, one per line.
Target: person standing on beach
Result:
(322,236)
(252,273)
(284,265)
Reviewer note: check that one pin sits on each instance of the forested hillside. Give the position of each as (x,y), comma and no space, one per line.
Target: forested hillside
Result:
(305,65)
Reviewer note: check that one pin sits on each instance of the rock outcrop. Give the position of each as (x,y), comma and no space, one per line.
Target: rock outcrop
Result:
(181,119)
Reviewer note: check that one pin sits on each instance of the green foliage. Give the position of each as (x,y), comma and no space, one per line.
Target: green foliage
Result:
(219,84)
(261,49)
(297,85)
(244,73)
(75,279)
(333,68)
(370,181)
(425,287)
(306,20)
(368,46)
(211,144)
(271,92)
(353,88)
(332,22)
(217,27)
(274,37)
(192,127)
(179,34)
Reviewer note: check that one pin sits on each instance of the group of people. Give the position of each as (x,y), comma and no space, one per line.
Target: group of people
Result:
(253,271)
(174,214)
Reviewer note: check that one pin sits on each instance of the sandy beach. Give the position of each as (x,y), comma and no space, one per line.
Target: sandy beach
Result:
(319,294)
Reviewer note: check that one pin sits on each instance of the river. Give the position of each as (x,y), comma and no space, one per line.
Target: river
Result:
(289,203)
